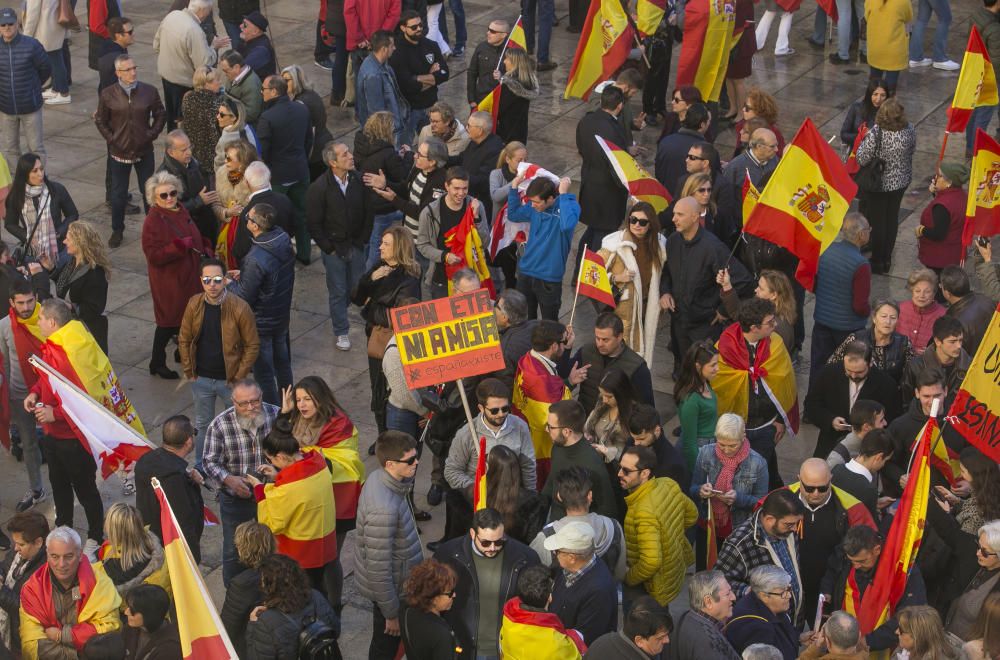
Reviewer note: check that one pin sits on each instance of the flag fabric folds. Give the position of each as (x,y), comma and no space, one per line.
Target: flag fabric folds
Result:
(224,243)
(829,8)
(338,441)
(649,14)
(711,540)
(516,38)
(536,388)
(977,84)
(113,444)
(982,212)
(528,634)
(463,241)
(491,104)
(975,412)
(639,183)
(605,42)
(593,281)
(479,489)
(750,195)
(709,35)
(201,631)
(851,164)
(804,203)
(504,232)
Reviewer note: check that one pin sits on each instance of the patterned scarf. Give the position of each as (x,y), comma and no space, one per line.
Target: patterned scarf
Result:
(234,176)
(45,241)
(724,482)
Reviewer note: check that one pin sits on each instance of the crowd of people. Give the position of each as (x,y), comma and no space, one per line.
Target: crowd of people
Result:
(595,517)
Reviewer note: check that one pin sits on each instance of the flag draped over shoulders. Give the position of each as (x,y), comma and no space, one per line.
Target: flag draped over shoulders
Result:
(338,441)
(527,634)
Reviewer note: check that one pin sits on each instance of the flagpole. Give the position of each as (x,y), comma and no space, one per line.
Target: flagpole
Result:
(635,35)
(468,411)
(576,296)
(505,44)
(935,404)
(944,144)
(733,251)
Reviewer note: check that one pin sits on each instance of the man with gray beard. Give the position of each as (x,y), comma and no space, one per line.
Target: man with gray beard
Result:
(232,451)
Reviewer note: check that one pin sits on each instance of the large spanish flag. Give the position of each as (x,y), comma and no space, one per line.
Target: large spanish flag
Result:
(299,509)
(649,14)
(464,242)
(804,203)
(605,42)
(709,35)
(982,212)
(491,104)
(535,389)
(201,631)
(338,441)
(977,84)
(593,281)
(975,412)
(529,634)
(639,183)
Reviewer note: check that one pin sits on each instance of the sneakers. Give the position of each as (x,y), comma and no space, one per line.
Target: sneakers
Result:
(59,99)
(30,499)
(343,343)
(836,59)
(915,64)
(115,240)
(947,65)
(787,51)
(457,54)
(324,64)
(90,549)
(49,93)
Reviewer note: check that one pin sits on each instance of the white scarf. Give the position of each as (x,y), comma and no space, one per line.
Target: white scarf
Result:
(44,241)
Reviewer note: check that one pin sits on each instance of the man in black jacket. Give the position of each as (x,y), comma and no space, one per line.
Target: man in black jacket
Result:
(488,564)
(420,68)
(671,153)
(580,594)
(340,222)
(180,484)
(479,78)
(602,196)
(608,351)
(644,426)
(973,310)
(195,195)
(258,178)
(285,140)
(256,48)
(29,530)
(480,157)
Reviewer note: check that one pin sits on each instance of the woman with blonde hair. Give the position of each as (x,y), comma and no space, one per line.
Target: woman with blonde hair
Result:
(131,555)
(233,127)
(513,154)
(921,635)
(234,193)
(199,108)
(917,315)
(301,90)
(518,88)
(699,186)
(254,543)
(375,151)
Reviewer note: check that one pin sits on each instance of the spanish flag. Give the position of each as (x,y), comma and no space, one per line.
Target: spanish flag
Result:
(605,42)
(464,242)
(639,183)
(528,634)
(536,387)
(224,243)
(851,165)
(593,281)
(479,492)
(750,195)
(299,509)
(491,104)
(516,39)
(982,212)
(338,442)
(976,407)
(977,84)
(711,542)
(709,35)
(201,631)
(944,459)
(649,14)
(28,340)
(803,204)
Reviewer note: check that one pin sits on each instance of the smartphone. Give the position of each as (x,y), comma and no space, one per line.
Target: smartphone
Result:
(983,241)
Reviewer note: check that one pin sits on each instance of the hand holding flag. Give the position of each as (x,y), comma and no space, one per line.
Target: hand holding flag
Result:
(463,241)
(594,281)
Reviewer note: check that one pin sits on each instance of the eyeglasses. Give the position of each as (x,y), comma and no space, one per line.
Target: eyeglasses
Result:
(447,594)
(492,31)
(549,427)
(636,220)
(693,157)
(131,68)
(486,543)
(816,489)
(677,99)
(985,553)
(496,411)
(129,31)
(414,27)
(418,154)
(223,115)
(704,190)
(168,195)
(409,461)
(787,593)
(747,108)
(627,471)
(217,279)
(250,403)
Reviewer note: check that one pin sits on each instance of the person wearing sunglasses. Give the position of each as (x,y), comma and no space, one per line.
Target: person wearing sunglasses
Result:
(481,75)
(430,593)
(962,614)
(761,616)
(122,34)
(420,65)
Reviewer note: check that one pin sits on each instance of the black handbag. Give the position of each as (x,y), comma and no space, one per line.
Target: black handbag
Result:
(869,175)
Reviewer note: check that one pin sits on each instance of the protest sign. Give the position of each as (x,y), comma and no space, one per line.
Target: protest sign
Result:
(975,412)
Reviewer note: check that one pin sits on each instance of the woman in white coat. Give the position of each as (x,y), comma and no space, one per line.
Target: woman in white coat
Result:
(634,258)
(41,21)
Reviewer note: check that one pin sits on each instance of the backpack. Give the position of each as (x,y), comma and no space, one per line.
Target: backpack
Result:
(317,640)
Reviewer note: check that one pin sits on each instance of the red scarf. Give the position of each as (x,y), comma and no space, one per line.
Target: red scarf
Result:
(724,482)
(736,353)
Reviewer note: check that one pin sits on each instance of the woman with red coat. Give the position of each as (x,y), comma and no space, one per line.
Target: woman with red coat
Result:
(939,234)
(173,247)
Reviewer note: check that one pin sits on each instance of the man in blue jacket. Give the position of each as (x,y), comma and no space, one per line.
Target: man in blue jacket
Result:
(377,87)
(23,67)
(553,215)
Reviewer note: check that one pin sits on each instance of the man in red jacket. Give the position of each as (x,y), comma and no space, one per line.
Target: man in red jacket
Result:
(364,18)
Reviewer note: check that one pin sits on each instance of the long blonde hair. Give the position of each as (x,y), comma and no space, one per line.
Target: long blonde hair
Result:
(923,623)
(694,182)
(524,69)
(403,250)
(127,535)
(784,303)
(90,247)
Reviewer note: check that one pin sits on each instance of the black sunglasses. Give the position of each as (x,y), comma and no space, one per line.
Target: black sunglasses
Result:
(497,411)
(499,543)
(168,195)
(693,157)
(636,220)
(492,31)
(816,489)
(704,190)
(410,461)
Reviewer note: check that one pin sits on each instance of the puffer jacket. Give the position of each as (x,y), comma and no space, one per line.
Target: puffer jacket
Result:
(154,571)
(658,552)
(386,544)
(24,65)
(372,155)
(275,634)
(130,123)
(267,280)
(749,482)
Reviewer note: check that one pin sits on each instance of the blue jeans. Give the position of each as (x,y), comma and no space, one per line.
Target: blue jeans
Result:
(418,119)
(546,10)
(274,363)
(342,275)
(339,67)
(762,441)
(845,25)
(60,78)
(981,117)
(891,78)
(233,511)
(461,35)
(204,392)
(120,175)
(233,32)
(379,224)
(401,420)
(924,9)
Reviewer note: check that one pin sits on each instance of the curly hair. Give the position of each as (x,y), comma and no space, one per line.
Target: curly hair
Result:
(380,125)
(764,105)
(428,580)
(284,584)
(254,543)
(891,116)
(161,179)
(90,247)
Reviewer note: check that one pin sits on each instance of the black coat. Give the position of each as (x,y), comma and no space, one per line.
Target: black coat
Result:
(481,159)
(586,606)
(106,64)
(746,627)
(689,275)
(163,644)
(337,220)
(602,196)
(267,280)
(61,207)
(372,156)
(317,120)
(242,595)
(671,158)
(427,636)
(412,60)
(285,139)
(515,342)
(512,115)
(284,218)
(829,397)
(10,597)
(275,634)
(464,613)
(183,493)
(904,430)
(975,312)
(258,53)
(377,297)
(87,291)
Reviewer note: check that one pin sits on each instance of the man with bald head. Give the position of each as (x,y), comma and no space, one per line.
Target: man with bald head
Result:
(759,161)
(687,287)
(830,511)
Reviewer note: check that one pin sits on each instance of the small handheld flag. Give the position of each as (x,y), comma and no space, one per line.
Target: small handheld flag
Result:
(594,282)
(479,494)
(982,212)
(639,183)
(976,86)
(491,104)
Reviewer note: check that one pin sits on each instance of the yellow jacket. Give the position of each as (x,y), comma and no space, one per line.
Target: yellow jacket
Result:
(888,41)
(657,550)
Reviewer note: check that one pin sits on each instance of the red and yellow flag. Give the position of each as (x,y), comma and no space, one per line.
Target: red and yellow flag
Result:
(982,212)
(977,84)
(829,7)
(535,389)
(639,183)
(709,35)
(479,491)
(463,241)
(851,164)
(224,243)
(605,42)
(516,39)
(975,412)
(529,634)
(593,281)
(711,549)
(201,631)
(750,195)
(491,104)
(338,441)
(649,14)
(804,203)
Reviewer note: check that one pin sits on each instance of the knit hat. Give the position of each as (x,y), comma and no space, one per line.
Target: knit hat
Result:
(957,173)
(257,19)
(574,536)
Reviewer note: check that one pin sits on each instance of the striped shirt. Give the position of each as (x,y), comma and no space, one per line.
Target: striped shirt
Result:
(416,192)
(231,451)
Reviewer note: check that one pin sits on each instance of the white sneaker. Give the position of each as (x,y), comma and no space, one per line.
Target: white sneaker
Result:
(90,549)
(59,99)
(49,93)
(343,343)
(919,63)
(787,51)
(948,65)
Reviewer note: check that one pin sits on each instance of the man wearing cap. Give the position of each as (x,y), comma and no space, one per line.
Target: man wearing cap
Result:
(580,596)
(256,49)
(26,66)
(939,234)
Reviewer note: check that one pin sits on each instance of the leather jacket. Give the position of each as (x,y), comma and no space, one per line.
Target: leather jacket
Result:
(130,123)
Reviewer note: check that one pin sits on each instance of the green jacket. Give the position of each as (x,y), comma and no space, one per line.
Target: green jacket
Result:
(247,91)
(989,29)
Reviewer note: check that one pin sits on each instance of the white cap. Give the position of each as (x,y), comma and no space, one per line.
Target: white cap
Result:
(574,536)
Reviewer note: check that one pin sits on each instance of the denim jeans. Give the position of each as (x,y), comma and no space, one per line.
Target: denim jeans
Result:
(924,9)
(762,441)
(60,78)
(543,295)
(401,420)
(380,223)
(204,392)
(24,422)
(891,78)
(418,119)
(546,15)
(342,275)
(120,175)
(10,135)
(274,363)
(233,32)
(339,72)
(461,35)
(845,26)
(233,511)
(981,117)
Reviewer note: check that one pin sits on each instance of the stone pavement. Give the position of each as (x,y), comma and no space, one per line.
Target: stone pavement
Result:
(804,84)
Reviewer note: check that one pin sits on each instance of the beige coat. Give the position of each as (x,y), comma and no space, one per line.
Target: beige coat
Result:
(888,42)
(40,22)
(180,47)
(230,196)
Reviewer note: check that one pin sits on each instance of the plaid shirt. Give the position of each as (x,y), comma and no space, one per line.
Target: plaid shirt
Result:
(572,578)
(229,450)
